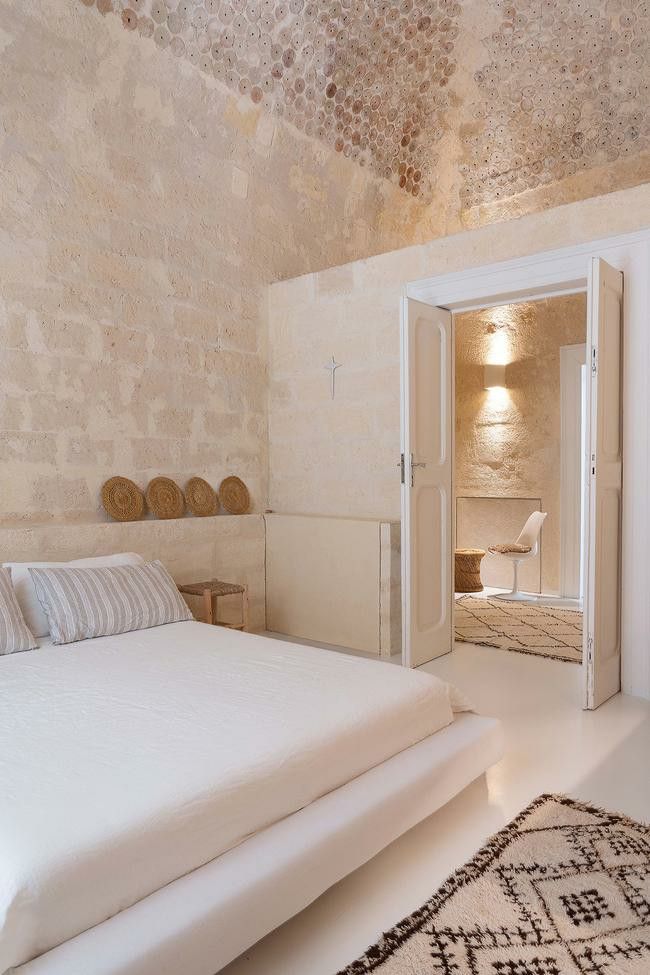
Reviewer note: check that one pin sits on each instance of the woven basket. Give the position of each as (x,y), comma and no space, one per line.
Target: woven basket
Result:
(201,498)
(165,498)
(122,499)
(467,574)
(234,496)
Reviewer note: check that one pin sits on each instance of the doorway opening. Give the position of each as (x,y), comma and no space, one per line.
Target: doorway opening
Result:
(427,442)
(520,475)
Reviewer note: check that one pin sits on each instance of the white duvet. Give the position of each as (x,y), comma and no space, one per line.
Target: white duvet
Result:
(128,761)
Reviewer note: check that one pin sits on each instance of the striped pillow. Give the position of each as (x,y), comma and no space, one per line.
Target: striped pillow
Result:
(14,633)
(85,603)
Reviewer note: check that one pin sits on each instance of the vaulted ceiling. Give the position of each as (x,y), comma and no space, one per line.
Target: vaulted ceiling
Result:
(513,93)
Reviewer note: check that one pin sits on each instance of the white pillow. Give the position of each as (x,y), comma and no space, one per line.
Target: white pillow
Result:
(26,594)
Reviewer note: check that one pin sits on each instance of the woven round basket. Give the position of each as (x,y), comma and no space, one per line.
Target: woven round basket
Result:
(234,496)
(165,498)
(122,499)
(201,498)
(467,569)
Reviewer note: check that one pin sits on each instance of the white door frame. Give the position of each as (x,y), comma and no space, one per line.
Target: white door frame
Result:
(560,272)
(572,467)
(541,275)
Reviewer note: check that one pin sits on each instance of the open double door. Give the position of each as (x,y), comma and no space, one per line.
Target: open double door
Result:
(427,483)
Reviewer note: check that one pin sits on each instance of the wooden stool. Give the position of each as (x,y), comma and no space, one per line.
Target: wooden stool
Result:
(467,573)
(211,591)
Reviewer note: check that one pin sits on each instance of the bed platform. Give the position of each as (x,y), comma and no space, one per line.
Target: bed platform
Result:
(173,794)
(201,922)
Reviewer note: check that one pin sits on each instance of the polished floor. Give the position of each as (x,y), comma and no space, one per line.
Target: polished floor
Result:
(552,746)
(536,599)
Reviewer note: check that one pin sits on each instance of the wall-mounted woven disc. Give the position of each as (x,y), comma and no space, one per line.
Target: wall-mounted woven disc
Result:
(165,498)
(201,497)
(122,499)
(234,496)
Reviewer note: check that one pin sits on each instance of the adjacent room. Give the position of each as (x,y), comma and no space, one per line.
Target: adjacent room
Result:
(520,475)
(324,617)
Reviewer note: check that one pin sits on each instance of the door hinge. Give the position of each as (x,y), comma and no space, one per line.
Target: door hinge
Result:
(590,647)
(593,465)
(594,361)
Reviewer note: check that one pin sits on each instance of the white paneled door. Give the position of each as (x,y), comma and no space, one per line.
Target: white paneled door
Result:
(427,471)
(602,584)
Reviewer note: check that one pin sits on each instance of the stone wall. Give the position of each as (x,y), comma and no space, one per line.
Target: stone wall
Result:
(339,457)
(192,549)
(508,441)
(143,210)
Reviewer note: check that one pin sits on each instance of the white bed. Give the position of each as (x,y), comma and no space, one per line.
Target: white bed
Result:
(171,795)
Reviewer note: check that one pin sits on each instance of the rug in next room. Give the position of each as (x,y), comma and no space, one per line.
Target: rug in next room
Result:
(545,631)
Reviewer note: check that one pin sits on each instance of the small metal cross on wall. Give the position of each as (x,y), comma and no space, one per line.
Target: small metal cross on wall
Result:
(333,365)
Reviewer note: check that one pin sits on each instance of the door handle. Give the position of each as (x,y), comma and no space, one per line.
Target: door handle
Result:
(414,464)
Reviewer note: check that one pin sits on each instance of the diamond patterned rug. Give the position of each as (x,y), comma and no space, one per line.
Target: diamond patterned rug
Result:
(544,631)
(564,889)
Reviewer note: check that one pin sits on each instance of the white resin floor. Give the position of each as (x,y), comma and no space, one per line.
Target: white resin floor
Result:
(552,746)
(536,599)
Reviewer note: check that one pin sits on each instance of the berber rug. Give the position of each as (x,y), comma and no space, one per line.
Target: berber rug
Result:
(564,889)
(544,631)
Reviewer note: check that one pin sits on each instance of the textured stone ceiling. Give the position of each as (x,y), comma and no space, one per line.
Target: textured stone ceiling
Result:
(565,86)
(514,93)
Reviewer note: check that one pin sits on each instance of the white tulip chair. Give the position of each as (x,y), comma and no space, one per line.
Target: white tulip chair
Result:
(525,547)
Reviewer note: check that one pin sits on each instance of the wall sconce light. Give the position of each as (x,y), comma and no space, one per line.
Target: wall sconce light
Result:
(494,376)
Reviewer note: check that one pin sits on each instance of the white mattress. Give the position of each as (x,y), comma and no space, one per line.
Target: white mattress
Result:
(128,761)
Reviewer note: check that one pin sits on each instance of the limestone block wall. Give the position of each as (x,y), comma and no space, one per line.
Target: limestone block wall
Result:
(144,208)
(508,441)
(192,549)
(339,457)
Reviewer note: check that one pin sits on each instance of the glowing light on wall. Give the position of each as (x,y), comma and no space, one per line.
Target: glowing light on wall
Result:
(497,399)
(499,352)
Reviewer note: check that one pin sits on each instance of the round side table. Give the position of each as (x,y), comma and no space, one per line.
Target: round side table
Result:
(468,569)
